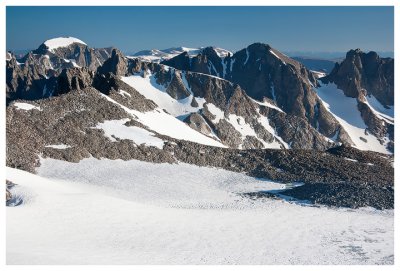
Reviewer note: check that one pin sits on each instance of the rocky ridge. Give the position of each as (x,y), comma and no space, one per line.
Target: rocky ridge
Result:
(66,125)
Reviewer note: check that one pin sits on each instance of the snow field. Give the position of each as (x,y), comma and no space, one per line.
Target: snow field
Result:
(132,212)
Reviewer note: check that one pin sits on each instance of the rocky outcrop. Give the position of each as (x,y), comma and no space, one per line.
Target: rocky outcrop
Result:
(364,74)
(180,62)
(9,185)
(176,87)
(117,64)
(35,75)
(197,122)
(361,74)
(74,79)
(26,80)
(73,55)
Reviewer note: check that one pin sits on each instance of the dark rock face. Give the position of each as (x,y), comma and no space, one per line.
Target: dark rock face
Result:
(197,122)
(296,131)
(208,62)
(365,72)
(180,62)
(117,64)
(27,80)
(9,185)
(176,88)
(74,79)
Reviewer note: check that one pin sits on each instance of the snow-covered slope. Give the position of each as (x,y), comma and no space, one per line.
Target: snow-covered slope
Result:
(386,113)
(344,109)
(131,212)
(116,129)
(148,87)
(61,42)
(166,124)
(146,84)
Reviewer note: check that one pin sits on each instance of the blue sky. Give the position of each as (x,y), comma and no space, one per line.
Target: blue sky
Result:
(320,29)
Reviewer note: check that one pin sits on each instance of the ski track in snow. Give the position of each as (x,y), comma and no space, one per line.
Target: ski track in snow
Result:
(133,212)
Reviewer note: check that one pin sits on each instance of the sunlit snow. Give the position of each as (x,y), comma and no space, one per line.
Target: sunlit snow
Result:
(26,106)
(132,212)
(346,112)
(116,129)
(61,42)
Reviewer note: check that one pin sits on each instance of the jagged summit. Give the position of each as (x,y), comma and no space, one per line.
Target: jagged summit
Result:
(367,73)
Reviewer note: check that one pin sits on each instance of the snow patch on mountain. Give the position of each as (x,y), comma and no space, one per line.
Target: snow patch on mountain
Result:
(166,124)
(58,146)
(345,110)
(318,74)
(26,106)
(157,56)
(276,55)
(267,104)
(116,129)
(385,113)
(148,87)
(245,129)
(222,52)
(61,42)
(278,141)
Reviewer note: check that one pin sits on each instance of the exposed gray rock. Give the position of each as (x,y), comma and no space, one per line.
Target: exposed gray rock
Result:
(176,88)
(180,62)
(9,185)
(197,122)
(360,72)
(117,64)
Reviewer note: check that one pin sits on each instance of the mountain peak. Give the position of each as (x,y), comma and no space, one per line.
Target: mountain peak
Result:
(55,43)
(260,45)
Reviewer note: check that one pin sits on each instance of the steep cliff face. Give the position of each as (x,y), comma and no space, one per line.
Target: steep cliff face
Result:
(361,74)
